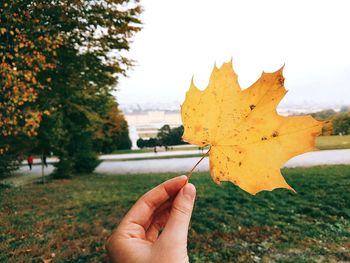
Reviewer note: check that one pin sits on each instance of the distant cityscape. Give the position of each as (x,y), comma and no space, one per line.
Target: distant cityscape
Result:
(145,119)
(284,109)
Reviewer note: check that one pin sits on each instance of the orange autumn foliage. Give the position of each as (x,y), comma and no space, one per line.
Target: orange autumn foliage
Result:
(23,57)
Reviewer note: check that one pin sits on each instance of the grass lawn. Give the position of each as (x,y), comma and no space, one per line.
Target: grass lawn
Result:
(144,150)
(70,220)
(159,149)
(333,142)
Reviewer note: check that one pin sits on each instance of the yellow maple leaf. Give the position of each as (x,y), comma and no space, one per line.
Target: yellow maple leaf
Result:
(249,142)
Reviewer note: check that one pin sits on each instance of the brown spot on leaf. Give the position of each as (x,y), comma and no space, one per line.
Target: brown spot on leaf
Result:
(275,134)
(197,128)
(251,106)
(263,138)
(281,80)
(240,163)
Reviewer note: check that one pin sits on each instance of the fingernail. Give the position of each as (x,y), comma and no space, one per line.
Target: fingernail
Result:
(183,177)
(189,191)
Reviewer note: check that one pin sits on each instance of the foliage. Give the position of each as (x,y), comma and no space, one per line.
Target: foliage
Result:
(327,128)
(140,143)
(85,158)
(335,122)
(228,225)
(62,59)
(248,140)
(151,142)
(113,134)
(166,136)
(95,34)
(9,162)
(324,114)
(341,123)
(170,136)
(27,50)
(28,55)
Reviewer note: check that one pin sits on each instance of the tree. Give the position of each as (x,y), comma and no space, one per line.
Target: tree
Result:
(90,59)
(176,135)
(28,54)
(170,136)
(151,142)
(341,123)
(164,135)
(113,133)
(327,128)
(140,143)
(73,54)
(324,114)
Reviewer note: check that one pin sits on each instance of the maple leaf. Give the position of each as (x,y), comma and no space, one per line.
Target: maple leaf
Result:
(249,142)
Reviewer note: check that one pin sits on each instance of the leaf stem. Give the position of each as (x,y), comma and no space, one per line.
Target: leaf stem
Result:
(194,167)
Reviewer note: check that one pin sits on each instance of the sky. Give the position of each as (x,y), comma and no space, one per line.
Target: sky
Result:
(184,38)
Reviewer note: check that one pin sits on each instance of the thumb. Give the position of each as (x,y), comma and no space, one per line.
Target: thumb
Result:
(176,228)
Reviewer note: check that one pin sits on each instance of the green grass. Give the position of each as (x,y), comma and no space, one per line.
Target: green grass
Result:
(71,219)
(159,149)
(333,142)
(188,148)
(144,150)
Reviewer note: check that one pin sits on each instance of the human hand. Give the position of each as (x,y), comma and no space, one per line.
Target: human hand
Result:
(137,239)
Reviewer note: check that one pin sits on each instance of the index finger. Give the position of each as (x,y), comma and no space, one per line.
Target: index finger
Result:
(143,210)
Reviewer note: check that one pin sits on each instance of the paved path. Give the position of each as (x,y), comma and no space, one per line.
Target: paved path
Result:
(129,155)
(148,154)
(25,176)
(180,165)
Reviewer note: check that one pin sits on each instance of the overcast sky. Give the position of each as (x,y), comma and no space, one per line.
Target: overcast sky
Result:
(181,38)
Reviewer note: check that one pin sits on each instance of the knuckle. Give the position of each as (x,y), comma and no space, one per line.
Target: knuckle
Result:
(109,243)
(112,242)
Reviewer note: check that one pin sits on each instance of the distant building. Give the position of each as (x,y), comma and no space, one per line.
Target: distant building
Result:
(146,124)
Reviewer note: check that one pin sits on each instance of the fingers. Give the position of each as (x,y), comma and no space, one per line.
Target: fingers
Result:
(176,228)
(157,225)
(159,219)
(140,215)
